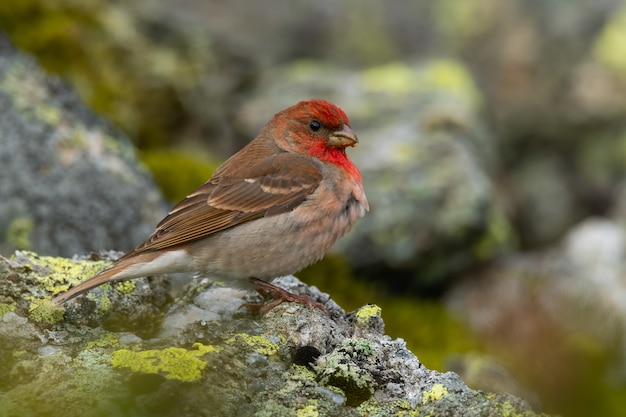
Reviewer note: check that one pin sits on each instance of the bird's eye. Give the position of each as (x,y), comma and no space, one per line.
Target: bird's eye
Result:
(315,125)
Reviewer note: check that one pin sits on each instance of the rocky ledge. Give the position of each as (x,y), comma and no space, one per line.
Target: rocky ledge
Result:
(130,349)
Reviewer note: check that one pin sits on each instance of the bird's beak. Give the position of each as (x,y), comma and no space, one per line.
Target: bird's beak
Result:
(343,138)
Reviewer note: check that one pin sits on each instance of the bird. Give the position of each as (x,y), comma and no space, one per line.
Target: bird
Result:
(270,210)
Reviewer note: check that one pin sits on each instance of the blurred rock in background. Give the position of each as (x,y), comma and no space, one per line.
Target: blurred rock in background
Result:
(558,316)
(71,183)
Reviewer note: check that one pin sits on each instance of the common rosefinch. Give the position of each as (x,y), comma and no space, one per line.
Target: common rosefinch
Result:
(270,210)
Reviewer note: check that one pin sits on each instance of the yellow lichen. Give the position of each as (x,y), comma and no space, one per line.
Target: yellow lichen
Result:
(609,47)
(394,77)
(108,339)
(103,302)
(451,77)
(30,96)
(439,75)
(177,171)
(56,274)
(506,409)
(311,409)
(406,409)
(365,313)
(44,311)
(436,392)
(6,308)
(260,344)
(19,231)
(173,363)
(303,371)
(399,408)
(125,287)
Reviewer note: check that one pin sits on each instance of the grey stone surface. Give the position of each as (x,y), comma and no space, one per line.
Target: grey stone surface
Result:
(70,183)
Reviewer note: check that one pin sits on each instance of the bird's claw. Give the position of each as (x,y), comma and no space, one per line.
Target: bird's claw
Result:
(279,295)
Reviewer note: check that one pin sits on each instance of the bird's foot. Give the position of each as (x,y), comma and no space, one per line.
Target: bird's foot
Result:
(278,295)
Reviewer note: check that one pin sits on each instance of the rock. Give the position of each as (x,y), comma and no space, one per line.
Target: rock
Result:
(526,57)
(70,182)
(560,310)
(26,276)
(294,360)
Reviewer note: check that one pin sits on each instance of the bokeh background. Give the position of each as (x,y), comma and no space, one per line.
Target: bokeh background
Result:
(493,150)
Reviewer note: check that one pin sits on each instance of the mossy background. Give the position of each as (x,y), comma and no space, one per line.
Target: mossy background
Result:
(175,85)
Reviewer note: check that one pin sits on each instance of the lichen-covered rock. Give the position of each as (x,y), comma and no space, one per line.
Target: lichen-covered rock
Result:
(28,279)
(222,361)
(65,171)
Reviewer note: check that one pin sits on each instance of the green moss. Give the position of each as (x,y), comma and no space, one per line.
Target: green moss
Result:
(178,171)
(6,308)
(357,347)
(333,274)
(436,392)
(19,231)
(44,311)
(498,236)
(108,339)
(173,363)
(9,406)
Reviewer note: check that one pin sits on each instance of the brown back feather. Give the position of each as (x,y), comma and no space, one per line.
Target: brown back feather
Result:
(282,182)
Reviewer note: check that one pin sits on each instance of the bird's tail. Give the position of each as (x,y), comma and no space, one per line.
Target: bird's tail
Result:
(119,271)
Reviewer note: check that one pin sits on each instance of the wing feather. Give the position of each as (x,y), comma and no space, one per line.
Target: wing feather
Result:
(277,184)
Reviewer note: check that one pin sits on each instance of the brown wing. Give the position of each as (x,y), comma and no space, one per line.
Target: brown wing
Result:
(275,185)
